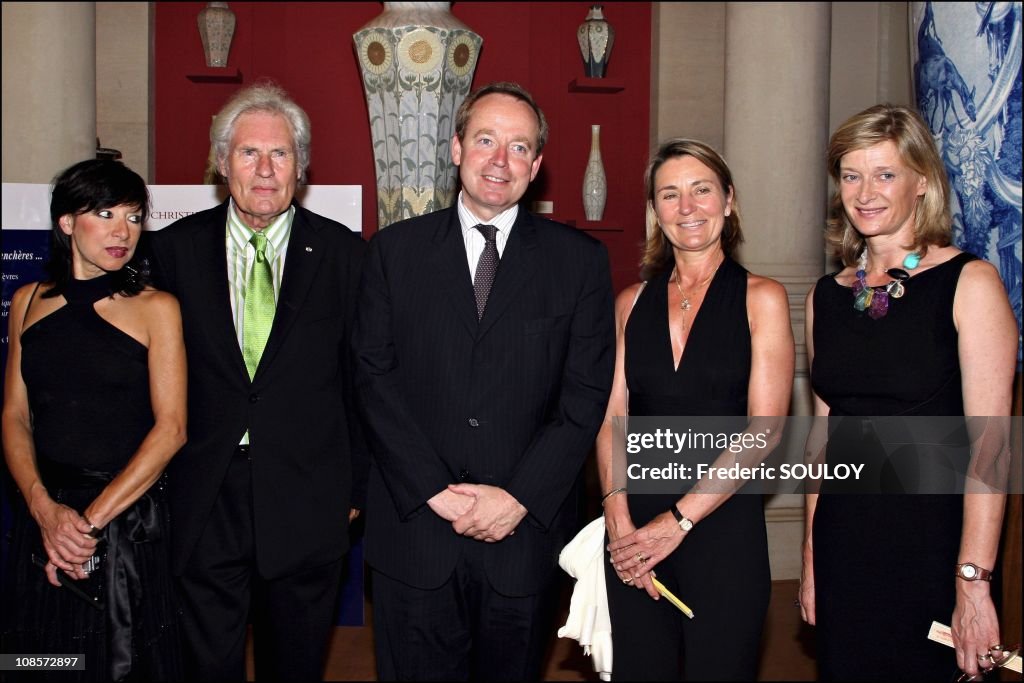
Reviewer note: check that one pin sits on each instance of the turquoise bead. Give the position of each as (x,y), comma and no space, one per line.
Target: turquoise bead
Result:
(912,260)
(863,299)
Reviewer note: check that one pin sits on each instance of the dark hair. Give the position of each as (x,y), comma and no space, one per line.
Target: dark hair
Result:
(87,186)
(501,88)
(905,128)
(658,250)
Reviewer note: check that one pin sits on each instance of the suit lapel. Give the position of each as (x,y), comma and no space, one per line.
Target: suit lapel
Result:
(210,253)
(455,282)
(516,268)
(305,250)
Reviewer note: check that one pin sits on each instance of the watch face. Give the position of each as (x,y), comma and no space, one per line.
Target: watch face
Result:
(686,524)
(968,571)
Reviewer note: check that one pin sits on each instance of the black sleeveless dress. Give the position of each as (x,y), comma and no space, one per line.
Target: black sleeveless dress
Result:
(721,568)
(884,562)
(88,391)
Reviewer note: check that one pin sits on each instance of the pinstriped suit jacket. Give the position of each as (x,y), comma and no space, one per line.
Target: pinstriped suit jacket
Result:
(514,400)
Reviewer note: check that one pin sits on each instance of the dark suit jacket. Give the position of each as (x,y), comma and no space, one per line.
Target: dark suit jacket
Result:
(296,408)
(514,400)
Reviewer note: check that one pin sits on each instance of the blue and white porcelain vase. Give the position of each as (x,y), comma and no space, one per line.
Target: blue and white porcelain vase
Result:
(967,80)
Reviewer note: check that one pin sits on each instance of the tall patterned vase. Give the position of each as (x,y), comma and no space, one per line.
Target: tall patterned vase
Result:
(216,29)
(595,185)
(967,80)
(417,63)
(596,38)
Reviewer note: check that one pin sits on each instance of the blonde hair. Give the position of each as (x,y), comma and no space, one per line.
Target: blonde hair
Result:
(905,128)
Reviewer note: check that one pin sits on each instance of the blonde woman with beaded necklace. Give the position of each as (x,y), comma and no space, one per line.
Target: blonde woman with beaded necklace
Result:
(700,337)
(911,326)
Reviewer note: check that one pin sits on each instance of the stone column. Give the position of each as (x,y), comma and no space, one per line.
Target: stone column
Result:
(776,129)
(49,84)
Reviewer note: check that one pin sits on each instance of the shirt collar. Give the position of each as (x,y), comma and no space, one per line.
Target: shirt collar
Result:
(503,221)
(277,232)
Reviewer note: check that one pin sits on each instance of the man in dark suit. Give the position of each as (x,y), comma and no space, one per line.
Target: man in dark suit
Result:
(260,497)
(481,403)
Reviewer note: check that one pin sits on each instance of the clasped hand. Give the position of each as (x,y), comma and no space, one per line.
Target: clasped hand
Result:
(637,553)
(66,541)
(481,512)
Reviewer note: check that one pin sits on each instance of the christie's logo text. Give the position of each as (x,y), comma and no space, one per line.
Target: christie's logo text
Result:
(169,215)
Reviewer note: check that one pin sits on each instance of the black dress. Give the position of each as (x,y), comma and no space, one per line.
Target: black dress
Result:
(884,562)
(721,568)
(88,391)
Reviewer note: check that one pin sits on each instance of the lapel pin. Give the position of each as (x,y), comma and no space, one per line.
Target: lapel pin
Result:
(309,249)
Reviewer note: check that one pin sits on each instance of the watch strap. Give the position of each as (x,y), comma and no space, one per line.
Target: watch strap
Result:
(684,522)
(980,573)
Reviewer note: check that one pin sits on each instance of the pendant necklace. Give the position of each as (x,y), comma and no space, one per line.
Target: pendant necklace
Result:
(875,299)
(684,304)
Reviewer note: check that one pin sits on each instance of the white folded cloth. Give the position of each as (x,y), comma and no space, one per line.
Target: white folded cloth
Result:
(588,621)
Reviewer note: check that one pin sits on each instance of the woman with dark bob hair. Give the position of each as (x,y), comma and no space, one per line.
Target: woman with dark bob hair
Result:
(699,337)
(94,408)
(910,328)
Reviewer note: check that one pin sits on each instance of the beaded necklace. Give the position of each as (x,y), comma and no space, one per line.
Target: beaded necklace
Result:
(875,300)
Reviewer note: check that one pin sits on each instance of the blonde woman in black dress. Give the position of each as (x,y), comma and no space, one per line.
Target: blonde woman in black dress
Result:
(911,327)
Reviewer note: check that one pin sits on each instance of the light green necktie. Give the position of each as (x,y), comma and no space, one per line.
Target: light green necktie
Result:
(258,314)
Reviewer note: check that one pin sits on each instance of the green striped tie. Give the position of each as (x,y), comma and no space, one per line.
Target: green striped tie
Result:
(258,315)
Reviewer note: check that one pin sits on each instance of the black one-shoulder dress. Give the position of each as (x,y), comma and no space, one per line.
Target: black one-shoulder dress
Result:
(89,396)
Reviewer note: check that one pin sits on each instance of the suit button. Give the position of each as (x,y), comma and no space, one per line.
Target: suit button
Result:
(253,398)
(473,422)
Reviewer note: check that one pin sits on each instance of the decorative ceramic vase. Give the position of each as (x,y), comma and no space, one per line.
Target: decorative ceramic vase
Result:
(216,28)
(595,185)
(596,38)
(417,63)
(967,76)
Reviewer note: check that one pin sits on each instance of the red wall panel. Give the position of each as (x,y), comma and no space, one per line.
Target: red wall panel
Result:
(307,48)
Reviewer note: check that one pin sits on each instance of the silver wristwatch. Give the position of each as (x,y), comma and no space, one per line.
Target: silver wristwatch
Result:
(968,571)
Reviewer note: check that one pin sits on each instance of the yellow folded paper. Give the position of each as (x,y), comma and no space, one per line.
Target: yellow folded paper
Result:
(672,598)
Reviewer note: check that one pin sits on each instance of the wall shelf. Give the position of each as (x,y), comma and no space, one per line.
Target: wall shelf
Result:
(215,74)
(599,85)
(593,226)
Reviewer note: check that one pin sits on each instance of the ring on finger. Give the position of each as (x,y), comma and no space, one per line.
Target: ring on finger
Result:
(628,581)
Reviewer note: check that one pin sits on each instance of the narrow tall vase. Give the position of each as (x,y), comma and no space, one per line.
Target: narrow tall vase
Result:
(595,185)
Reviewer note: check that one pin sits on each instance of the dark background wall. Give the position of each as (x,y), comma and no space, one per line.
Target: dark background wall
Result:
(307,48)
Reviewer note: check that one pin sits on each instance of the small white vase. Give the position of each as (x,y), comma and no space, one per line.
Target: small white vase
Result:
(595,185)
